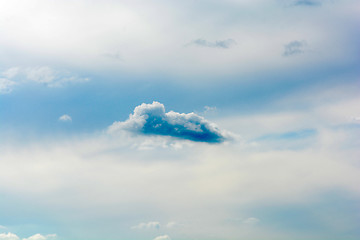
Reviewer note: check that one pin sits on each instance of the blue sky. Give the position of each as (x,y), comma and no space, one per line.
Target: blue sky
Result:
(161,120)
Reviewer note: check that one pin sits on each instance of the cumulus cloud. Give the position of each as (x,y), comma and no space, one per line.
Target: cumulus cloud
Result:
(149,225)
(38,236)
(163,237)
(227,43)
(65,118)
(8,236)
(151,119)
(295,48)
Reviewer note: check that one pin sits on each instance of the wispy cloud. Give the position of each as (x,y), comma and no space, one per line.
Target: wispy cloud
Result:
(295,48)
(38,236)
(51,77)
(227,43)
(45,75)
(6,85)
(11,72)
(148,225)
(151,119)
(163,237)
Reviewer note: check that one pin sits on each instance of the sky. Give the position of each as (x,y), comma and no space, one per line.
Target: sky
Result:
(179,120)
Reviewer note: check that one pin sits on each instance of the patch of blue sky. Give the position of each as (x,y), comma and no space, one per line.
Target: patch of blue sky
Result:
(24,218)
(293,135)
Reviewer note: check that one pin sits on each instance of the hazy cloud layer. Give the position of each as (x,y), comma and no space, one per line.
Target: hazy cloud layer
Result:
(295,48)
(227,43)
(151,119)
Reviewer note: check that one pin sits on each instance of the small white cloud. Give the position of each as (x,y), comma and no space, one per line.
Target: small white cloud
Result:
(251,221)
(8,236)
(149,225)
(38,236)
(65,118)
(2,227)
(6,85)
(163,237)
(11,72)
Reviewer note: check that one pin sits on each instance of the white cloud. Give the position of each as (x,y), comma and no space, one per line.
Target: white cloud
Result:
(42,74)
(149,225)
(8,236)
(38,236)
(11,72)
(6,85)
(163,237)
(51,77)
(65,118)
(151,119)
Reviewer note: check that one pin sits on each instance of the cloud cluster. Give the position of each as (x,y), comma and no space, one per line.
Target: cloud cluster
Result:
(227,43)
(151,119)
(295,48)
(38,236)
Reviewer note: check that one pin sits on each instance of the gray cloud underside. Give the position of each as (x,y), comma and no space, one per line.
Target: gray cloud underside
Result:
(295,48)
(151,119)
